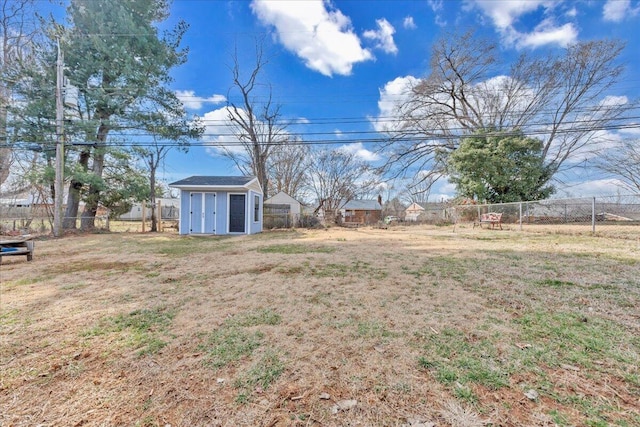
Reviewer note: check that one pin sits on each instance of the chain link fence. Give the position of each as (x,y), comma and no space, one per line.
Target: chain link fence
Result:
(616,216)
(613,216)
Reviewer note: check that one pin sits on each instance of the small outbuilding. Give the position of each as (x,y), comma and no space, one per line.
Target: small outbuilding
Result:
(220,205)
(282,198)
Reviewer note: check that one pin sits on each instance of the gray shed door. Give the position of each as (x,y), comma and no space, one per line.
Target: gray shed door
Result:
(237,213)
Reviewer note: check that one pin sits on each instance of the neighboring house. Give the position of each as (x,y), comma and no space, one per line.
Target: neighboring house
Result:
(281,211)
(220,205)
(413,212)
(361,212)
(283,198)
(430,211)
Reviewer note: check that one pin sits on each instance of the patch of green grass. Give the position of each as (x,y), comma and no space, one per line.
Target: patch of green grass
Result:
(229,344)
(10,284)
(442,266)
(330,270)
(293,248)
(554,283)
(465,393)
(232,341)
(565,337)
(145,320)
(372,329)
(454,358)
(260,376)
(264,316)
(9,317)
(342,270)
(559,418)
(189,245)
(139,329)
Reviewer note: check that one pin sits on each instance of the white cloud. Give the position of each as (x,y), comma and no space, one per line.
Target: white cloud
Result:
(572,13)
(505,14)
(392,94)
(193,102)
(218,132)
(360,151)
(383,35)
(321,36)
(592,188)
(618,10)
(437,7)
(546,33)
(612,100)
(408,23)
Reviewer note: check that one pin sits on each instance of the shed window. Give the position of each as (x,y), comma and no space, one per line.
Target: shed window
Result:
(256,208)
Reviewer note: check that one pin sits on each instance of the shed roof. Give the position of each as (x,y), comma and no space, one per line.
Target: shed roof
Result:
(217,181)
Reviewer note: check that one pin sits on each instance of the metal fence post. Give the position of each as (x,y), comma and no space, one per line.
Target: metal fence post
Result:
(520,209)
(593,215)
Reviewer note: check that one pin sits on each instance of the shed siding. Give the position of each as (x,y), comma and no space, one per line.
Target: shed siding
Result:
(214,202)
(255,226)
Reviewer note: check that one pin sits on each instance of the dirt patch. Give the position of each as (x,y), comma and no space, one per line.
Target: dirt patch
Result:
(414,324)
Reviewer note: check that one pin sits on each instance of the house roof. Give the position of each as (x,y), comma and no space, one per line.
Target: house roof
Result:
(218,181)
(282,197)
(363,205)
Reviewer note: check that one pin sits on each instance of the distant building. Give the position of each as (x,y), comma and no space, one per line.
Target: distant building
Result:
(364,212)
(283,198)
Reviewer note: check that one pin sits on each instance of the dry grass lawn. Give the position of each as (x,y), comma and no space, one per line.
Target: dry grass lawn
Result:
(414,326)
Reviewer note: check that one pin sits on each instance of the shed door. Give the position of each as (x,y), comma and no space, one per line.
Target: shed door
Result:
(210,213)
(237,213)
(202,216)
(196,213)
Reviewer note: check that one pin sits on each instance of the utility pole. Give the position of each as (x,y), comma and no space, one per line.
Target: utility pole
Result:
(59,179)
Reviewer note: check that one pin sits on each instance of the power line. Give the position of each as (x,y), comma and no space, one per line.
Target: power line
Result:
(399,138)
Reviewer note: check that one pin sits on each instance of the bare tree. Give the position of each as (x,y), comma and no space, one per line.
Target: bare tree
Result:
(288,169)
(560,99)
(418,189)
(335,178)
(17,33)
(167,131)
(256,124)
(624,162)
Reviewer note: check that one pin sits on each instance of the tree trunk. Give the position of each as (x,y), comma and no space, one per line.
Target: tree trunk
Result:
(73,199)
(88,219)
(5,151)
(152,197)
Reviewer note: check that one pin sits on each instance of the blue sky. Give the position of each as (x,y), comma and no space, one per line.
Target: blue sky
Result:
(335,65)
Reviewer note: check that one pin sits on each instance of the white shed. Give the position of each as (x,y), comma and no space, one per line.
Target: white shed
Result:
(220,205)
(283,198)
